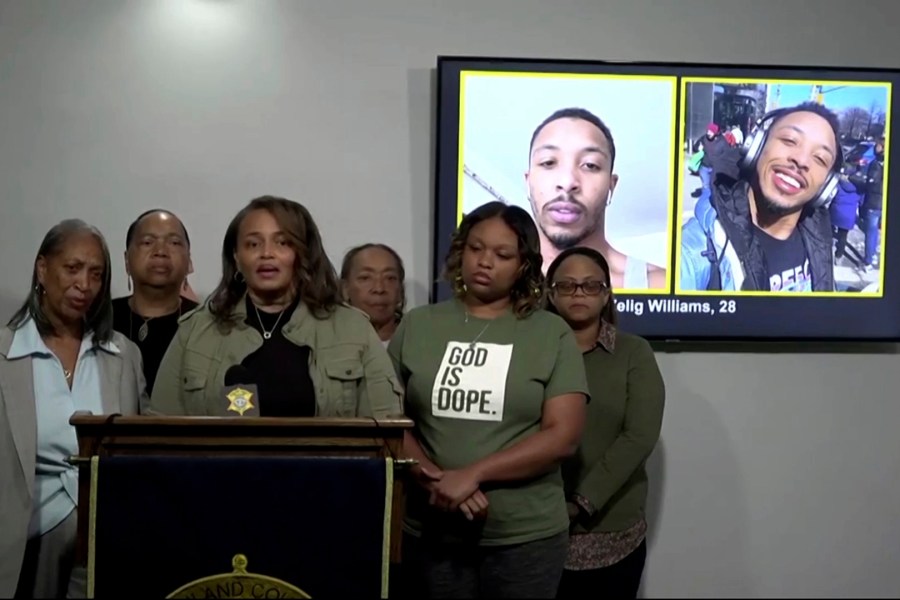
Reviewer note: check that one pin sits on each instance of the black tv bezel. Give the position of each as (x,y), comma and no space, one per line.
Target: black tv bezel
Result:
(704,341)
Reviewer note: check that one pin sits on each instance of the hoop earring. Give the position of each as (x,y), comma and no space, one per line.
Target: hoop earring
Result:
(39,289)
(609,197)
(129,283)
(239,277)
(459,285)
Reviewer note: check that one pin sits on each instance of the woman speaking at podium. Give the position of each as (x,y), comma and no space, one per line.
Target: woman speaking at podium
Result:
(277,317)
(497,389)
(58,355)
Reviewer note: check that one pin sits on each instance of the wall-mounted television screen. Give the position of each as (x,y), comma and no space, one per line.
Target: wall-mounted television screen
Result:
(731,202)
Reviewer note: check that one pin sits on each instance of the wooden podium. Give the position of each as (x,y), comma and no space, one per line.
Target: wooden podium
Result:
(106,436)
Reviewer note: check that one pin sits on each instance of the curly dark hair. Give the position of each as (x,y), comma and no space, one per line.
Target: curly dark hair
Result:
(609,313)
(315,275)
(527,293)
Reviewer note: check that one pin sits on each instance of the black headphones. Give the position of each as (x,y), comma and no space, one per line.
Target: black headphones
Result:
(755,142)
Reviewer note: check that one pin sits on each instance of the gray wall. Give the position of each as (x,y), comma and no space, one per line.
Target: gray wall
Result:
(777,474)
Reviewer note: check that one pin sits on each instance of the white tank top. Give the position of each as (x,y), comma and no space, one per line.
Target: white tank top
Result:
(635,277)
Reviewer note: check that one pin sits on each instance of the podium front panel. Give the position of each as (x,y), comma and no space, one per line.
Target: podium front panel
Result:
(287,527)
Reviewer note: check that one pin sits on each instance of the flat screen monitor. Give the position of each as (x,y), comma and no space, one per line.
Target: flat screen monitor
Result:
(730,202)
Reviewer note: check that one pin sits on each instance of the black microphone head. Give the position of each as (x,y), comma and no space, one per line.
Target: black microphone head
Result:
(239,374)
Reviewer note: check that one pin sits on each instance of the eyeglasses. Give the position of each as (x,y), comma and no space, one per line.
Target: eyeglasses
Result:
(590,288)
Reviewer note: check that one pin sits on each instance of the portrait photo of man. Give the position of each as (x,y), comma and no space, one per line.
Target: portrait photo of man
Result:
(590,157)
(571,181)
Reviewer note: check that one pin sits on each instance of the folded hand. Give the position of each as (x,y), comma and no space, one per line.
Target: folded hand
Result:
(427,476)
(454,488)
(475,506)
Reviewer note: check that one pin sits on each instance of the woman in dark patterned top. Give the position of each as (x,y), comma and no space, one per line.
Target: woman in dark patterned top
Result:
(606,481)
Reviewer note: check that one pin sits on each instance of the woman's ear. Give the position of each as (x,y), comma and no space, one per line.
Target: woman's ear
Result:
(40,268)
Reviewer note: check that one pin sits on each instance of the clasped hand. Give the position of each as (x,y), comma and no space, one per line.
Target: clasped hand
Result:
(455,489)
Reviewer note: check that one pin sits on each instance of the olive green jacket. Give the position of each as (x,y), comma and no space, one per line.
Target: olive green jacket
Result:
(351,372)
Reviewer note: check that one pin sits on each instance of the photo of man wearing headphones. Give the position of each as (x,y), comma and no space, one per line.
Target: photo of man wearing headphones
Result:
(769,229)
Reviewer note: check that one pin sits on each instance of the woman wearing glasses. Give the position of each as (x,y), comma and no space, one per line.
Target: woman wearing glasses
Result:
(606,481)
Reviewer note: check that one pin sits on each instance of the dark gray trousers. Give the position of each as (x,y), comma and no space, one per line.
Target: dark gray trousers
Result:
(529,570)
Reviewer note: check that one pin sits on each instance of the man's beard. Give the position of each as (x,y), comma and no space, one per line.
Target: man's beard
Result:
(562,239)
(766,205)
(776,210)
(770,207)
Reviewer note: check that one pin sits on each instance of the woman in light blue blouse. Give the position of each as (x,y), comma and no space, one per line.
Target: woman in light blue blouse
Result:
(58,355)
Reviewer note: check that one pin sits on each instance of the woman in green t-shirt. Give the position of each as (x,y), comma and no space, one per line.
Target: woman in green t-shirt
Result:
(497,389)
(606,481)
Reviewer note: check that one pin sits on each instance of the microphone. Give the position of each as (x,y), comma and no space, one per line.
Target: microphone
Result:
(241,394)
